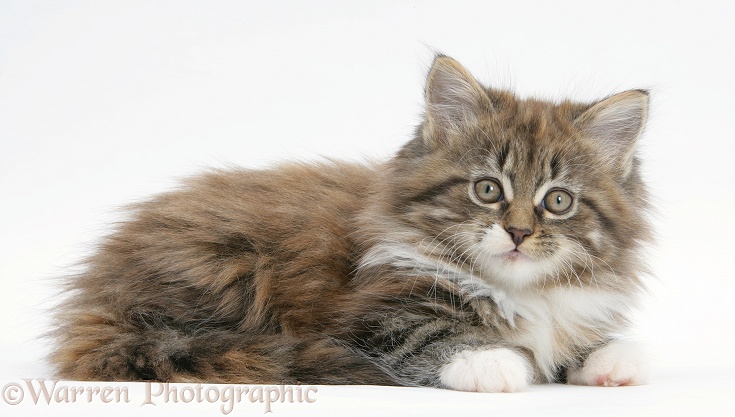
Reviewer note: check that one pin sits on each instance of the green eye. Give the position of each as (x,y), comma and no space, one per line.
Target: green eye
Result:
(558,201)
(488,190)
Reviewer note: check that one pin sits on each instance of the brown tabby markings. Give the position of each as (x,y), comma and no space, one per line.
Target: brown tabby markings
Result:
(376,274)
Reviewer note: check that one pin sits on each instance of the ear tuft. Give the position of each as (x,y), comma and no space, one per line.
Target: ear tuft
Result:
(454,99)
(615,124)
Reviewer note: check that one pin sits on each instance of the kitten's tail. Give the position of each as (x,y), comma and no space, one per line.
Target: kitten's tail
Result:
(92,348)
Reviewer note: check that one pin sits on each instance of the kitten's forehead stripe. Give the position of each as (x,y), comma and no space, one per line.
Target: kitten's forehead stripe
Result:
(503,155)
(539,181)
(531,155)
(554,165)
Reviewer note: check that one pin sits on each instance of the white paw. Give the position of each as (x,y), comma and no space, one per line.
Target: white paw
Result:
(615,364)
(493,370)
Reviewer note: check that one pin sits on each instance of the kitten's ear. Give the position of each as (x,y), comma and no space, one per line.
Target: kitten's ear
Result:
(454,99)
(615,124)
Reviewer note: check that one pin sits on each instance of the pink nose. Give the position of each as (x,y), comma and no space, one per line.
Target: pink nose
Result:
(518,234)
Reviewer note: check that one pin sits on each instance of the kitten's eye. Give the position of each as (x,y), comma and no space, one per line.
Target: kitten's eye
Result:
(488,190)
(558,201)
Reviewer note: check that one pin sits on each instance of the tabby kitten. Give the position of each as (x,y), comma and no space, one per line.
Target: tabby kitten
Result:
(499,247)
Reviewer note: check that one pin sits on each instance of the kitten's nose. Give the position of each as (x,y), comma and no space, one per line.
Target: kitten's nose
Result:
(518,234)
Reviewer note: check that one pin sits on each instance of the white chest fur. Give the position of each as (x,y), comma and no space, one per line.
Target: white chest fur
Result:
(553,324)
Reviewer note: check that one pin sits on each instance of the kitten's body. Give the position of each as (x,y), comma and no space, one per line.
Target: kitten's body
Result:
(396,273)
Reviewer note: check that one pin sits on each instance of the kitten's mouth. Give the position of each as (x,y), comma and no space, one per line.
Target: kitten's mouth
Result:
(515,255)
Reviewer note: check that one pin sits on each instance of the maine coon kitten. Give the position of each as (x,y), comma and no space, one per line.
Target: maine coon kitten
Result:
(499,247)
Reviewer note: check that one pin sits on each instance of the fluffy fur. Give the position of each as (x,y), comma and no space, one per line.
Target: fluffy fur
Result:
(450,265)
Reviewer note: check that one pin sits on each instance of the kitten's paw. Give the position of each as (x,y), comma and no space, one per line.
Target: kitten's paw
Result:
(493,370)
(615,364)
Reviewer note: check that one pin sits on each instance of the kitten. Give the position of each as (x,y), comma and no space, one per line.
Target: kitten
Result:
(499,247)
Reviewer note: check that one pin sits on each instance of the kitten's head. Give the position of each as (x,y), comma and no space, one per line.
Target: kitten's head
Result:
(522,193)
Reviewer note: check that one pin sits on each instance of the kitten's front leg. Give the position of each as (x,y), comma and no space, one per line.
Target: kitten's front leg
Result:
(489,369)
(424,351)
(432,337)
(615,364)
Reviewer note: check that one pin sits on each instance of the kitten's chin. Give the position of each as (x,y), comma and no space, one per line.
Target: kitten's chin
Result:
(514,269)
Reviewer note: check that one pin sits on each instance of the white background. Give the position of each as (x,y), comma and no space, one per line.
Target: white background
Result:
(103,103)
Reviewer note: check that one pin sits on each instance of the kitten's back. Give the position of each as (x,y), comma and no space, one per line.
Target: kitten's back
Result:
(234,258)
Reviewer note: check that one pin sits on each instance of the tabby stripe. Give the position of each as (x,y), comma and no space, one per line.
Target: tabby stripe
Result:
(436,336)
(606,221)
(438,189)
(503,156)
(420,338)
(389,342)
(554,165)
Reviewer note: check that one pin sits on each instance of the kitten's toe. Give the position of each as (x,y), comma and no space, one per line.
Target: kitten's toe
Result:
(613,365)
(492,370)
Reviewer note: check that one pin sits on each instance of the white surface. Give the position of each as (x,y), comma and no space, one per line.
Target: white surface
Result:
(699,394)
(103,103)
